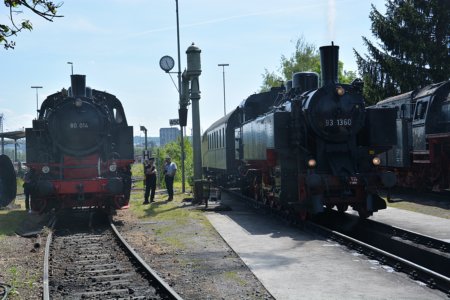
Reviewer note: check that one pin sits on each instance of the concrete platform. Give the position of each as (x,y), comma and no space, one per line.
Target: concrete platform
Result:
(293,264)
(425,224)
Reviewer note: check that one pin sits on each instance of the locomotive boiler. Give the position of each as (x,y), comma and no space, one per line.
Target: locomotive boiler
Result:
(80,150)
(306,148)
(421,157)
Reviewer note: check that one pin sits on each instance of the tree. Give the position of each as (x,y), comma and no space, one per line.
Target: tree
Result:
(43,8)
(305,58)
(413,48)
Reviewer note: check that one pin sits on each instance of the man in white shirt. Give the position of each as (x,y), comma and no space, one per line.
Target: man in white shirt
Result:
(170,170)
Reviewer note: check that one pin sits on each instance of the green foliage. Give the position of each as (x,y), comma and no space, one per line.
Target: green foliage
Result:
(43,8)
(173,149)
(412,50)
(270,79)
(306,58)
(345,76)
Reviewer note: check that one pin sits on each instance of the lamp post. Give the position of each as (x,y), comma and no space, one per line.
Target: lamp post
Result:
(145,132)
(223,72)
(180,99)
(37,100)
(71,65)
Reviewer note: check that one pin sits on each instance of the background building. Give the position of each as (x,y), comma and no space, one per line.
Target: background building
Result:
(167,135)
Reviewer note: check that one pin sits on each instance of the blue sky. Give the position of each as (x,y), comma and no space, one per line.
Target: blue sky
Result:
(117,44)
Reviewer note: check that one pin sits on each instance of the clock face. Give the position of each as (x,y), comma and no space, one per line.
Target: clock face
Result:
(166,63)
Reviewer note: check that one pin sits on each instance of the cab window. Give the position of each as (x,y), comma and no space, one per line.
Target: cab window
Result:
(421,110)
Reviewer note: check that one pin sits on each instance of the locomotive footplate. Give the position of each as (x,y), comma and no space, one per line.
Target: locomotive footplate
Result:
(86,186)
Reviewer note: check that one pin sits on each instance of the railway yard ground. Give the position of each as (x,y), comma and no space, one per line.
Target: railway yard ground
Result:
(231,251)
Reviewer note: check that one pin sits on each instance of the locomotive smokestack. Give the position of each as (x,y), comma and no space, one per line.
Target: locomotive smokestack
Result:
(78,85)
(329,57)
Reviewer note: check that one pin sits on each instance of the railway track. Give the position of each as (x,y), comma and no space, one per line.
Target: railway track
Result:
(422,257)
(83,262)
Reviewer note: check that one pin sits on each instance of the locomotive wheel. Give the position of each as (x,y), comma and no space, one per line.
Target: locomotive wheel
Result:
(342,207)
(303,215)
(364,213)
(38,205)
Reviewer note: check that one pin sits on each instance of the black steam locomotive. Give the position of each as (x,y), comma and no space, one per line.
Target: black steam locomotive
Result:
(421,158)
(80,150)
(8,186)
(305,148)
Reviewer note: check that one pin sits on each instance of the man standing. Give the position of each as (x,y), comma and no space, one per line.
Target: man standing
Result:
(170,169)
(27,189)
(150,180)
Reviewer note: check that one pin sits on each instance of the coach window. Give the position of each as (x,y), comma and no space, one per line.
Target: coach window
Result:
(223,137)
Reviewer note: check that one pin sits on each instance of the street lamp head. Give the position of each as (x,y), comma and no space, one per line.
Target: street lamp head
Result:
(223,65)
(143,128)
(36,87)
(71,65)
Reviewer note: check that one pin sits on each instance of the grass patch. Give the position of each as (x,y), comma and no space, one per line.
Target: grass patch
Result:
(163,210)
(19,183)
(10,220)
(232,275)
(137,170)
(171,217)
(20,279)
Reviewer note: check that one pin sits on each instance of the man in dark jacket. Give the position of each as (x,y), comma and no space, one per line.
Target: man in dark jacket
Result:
(150,180)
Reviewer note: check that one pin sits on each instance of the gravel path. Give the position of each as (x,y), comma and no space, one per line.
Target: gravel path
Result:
(192,258)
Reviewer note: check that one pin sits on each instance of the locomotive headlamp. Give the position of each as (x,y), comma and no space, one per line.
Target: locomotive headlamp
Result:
(112,167)
(340,90)
(376,161)
(78,102)
(45,169)
(312,163)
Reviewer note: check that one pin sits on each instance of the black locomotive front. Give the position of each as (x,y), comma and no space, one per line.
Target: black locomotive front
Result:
(80,150)
(335,167)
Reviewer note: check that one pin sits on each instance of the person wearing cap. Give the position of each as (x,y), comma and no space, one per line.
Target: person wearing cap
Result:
(170,169)
(150,179)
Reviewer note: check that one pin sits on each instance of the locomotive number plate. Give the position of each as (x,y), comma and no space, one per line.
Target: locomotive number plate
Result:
(353,180)
(338,122)
(75,125)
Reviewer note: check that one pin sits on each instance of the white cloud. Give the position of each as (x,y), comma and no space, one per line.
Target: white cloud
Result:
(13,121)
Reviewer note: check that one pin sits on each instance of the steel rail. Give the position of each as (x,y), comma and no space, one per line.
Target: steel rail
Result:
(159,281)
(46,293)
(431,278)
(416,237)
